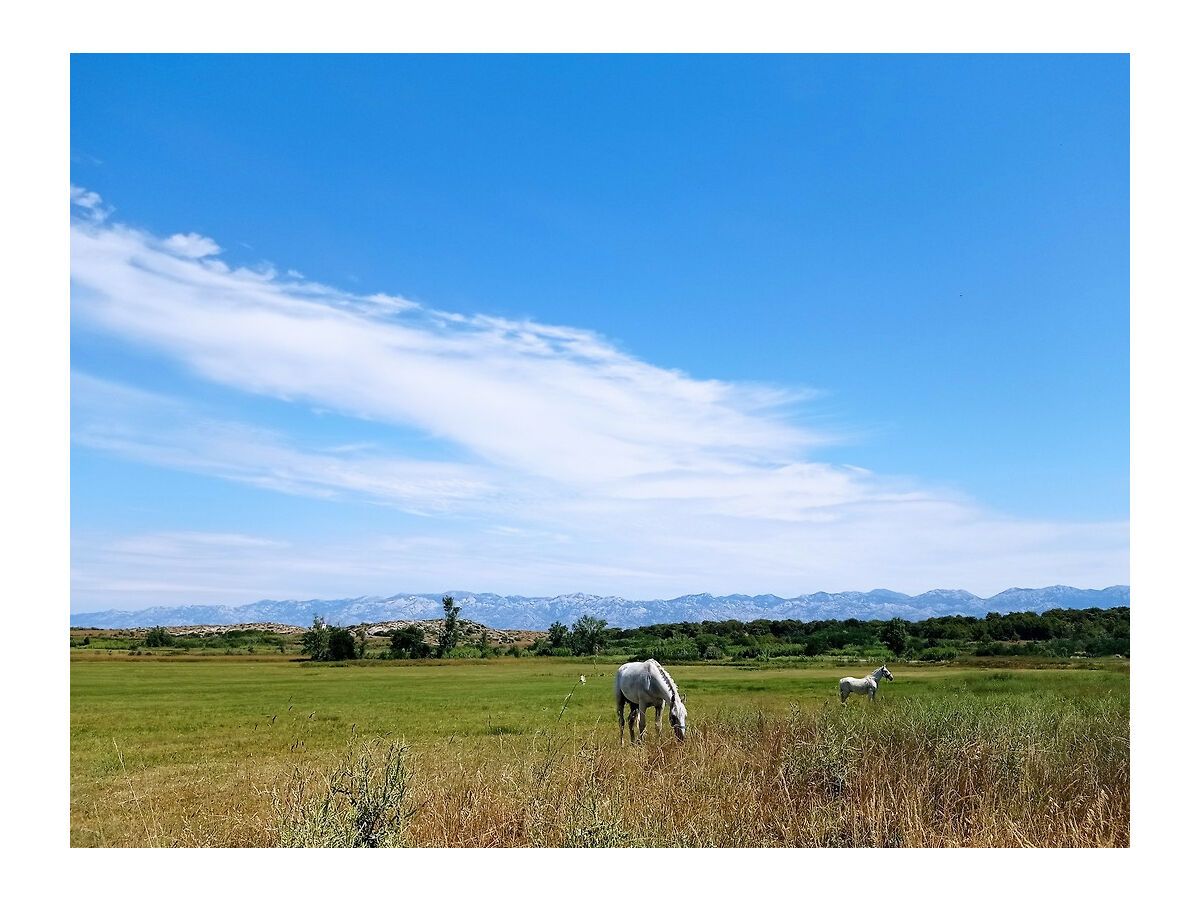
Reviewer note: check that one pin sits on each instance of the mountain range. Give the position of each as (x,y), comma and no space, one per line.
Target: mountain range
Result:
(537,613)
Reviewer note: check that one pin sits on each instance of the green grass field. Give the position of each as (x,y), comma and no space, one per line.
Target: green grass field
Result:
(207,751)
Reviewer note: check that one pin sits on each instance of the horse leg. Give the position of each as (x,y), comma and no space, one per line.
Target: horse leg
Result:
(641,721)
(621,719)
(633,714)
(658,708)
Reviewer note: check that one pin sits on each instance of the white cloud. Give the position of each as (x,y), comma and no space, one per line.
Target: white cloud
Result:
(191,245)
(644,481)
(91,202)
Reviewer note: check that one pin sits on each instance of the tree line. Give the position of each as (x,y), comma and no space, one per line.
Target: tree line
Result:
(1056,632)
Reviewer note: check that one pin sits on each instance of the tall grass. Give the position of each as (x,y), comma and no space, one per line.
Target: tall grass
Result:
(931,773)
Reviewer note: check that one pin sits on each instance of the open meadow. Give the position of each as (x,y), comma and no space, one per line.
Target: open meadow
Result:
(261,751)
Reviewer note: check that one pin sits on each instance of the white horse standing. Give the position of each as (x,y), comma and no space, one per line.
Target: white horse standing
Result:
(868,685)
(644,684)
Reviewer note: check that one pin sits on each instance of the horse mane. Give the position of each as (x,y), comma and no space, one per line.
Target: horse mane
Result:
(670,681)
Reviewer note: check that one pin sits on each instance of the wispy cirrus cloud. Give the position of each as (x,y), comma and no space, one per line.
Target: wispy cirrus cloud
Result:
(546,399)
(637,479)
(148,428)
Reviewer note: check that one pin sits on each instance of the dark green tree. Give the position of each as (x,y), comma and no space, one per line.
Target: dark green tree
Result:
(451,631)
(894,636)
(558,634)
(341,644)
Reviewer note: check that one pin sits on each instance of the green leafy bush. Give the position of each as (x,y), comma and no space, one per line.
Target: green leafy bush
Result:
(409,643)
(158,637)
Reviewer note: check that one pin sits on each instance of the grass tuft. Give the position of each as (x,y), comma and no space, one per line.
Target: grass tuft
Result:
(363,802)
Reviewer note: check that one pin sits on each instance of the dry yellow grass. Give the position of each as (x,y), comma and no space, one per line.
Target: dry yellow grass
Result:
(820,777)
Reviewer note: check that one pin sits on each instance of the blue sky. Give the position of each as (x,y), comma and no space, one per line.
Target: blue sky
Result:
(641,325)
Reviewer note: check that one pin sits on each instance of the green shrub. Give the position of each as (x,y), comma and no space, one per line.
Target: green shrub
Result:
(158,637)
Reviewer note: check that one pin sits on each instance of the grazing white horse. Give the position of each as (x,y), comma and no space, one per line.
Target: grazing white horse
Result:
(868,685)
(643,684)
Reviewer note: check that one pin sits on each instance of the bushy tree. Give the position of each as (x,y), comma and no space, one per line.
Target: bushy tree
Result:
(558,634)
(409,643)
(315,642)
(587,635)
(341,644)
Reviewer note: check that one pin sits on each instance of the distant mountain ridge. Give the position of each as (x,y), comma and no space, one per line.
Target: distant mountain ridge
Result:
(537,613)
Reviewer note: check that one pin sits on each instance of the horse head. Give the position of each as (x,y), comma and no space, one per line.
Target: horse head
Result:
(678,717)
(885,673)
